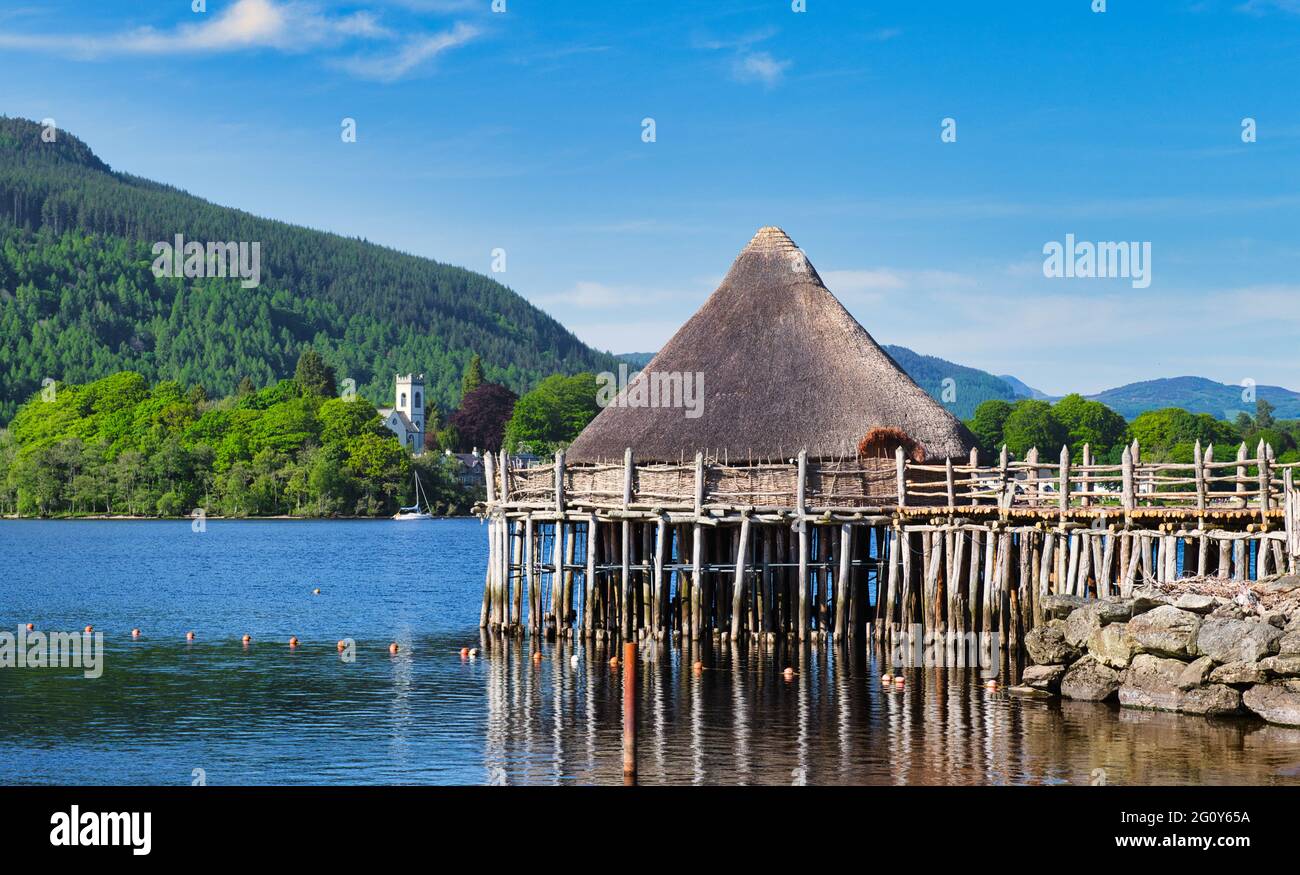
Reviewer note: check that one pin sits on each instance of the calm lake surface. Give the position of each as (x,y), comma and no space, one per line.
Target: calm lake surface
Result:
(265,715)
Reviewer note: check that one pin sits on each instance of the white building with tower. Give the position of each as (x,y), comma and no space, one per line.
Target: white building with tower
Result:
(406,420)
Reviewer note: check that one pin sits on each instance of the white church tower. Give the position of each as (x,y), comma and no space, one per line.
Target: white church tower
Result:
(406,420)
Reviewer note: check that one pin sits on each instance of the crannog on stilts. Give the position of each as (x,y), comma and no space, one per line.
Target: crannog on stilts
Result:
(812,489)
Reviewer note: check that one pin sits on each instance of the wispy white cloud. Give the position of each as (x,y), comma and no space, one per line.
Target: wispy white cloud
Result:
(759,67)
(406,58)
(748,64)
(246,25)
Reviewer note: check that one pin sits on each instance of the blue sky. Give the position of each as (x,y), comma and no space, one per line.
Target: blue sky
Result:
(522,130)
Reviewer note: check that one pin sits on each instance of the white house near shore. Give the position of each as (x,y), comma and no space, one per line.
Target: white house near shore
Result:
(406,420)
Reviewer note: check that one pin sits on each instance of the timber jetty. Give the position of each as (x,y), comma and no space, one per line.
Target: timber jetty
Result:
(818,491)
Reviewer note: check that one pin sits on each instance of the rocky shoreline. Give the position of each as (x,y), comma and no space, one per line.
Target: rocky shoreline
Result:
(1199,646)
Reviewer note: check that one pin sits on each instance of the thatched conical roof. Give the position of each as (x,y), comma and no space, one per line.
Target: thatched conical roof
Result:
(785,368)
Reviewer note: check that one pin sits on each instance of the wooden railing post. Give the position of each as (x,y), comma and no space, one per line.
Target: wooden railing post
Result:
(952,489)
(1032,476)
(1198,459)
(974,478)
(1241,475)
(1130,500)
(1265,485)
(1064,499)
(900,464)
(1085,475)
(1004,487)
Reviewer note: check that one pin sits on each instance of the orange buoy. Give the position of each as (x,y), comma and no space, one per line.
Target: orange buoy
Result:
(293,640)
(342,645)
(991,683)
(898,681)
(247,639)
(537,656)
(31,626)
(613,662)
(464,652)
(393,648)
(788,673)
(90,629)
(135,633)
(189,636)
(886,678)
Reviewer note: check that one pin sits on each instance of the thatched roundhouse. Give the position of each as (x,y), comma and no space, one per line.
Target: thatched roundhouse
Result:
(781,367)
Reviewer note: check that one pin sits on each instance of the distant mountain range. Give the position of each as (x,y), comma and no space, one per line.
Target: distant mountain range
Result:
(972,387)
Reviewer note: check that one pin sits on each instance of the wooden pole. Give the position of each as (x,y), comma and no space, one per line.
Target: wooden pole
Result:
(738,590)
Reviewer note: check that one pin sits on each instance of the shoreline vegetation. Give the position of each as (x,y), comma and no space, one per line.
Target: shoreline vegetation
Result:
(118,448)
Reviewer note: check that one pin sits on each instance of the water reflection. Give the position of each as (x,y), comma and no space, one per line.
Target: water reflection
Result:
(740,722)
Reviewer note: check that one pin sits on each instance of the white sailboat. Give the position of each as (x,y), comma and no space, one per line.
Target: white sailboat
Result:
(420,511)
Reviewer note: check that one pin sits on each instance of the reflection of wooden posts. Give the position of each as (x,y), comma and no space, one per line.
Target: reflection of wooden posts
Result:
(629,713)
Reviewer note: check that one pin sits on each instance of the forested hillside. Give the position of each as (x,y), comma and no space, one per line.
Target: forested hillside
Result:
(79,301)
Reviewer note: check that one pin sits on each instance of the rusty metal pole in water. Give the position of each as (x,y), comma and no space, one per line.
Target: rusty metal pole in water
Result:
(629,713)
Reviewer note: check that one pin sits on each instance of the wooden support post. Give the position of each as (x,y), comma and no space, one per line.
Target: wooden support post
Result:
(738,590)
(625,582)
(801,499)
(952,488)
(589,582)
(697,581)
(974,464)
(1032,477)
(529,574)
(659,589)
(842,586)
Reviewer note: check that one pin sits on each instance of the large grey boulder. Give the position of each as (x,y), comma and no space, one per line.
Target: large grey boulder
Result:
(1289,643)
(1165,631)
(1195,673)
(1081,623)
(1046,645)
(1112,610)
(1196,603)
(1239,673)
(1225,640)
(1284,666)
(1059,606)
(1152,682)
(1274,703)
(1211,700)
(1043,677)
(1089,680)
(1111,646)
